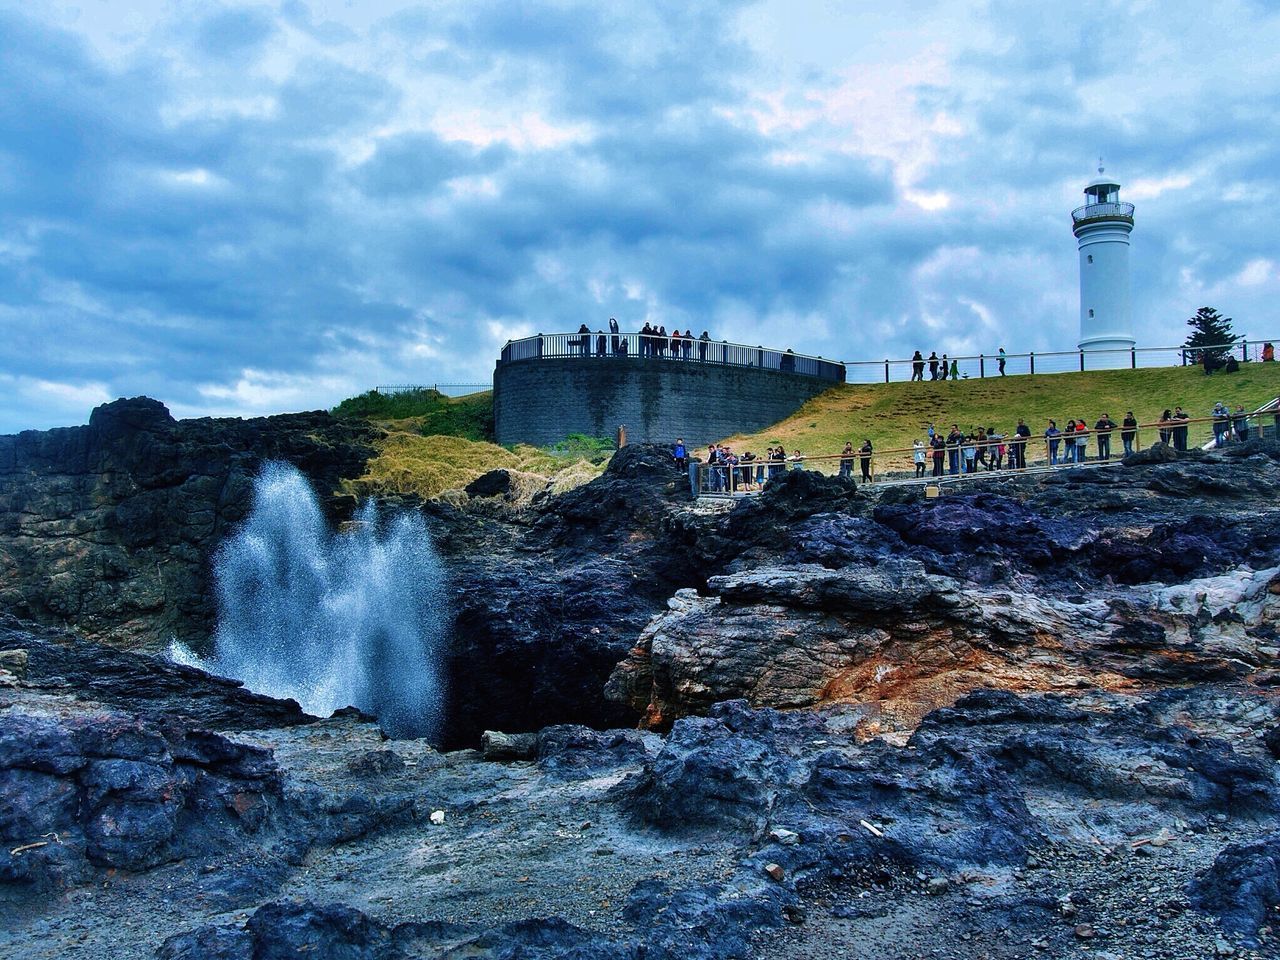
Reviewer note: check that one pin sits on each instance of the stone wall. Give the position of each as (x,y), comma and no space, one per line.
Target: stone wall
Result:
(543,401)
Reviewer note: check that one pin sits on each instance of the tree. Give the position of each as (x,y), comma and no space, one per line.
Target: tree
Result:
(1212,335)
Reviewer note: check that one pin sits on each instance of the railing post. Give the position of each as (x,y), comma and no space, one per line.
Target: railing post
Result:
(1133,359)
(886,371)
(1244,349)
(1082,361)
(1033,362)
(982,366)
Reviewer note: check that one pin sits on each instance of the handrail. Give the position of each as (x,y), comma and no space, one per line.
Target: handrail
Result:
(730,474)
(599,345)
(1107,210)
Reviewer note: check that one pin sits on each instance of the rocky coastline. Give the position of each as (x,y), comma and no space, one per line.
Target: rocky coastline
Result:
(1036,718)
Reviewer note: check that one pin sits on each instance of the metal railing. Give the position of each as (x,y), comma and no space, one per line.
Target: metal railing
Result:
(973,459)
(1103,211)
(448,389)
(606,346)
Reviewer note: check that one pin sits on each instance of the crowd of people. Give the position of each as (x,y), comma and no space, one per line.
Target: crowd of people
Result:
(958,452)
(654,341)
(943,368)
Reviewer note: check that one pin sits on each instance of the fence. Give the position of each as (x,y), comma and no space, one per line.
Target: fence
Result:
(603,346)
(969,457)
(448,389)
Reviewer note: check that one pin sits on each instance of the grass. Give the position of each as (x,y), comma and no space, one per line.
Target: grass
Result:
(409,463)
(470,417)
(894,414)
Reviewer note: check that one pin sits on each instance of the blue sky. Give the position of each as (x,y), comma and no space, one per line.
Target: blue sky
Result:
(251,208)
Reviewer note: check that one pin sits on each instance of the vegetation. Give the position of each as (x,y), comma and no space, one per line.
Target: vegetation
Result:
(1212,330)
(894,414)
(470,417)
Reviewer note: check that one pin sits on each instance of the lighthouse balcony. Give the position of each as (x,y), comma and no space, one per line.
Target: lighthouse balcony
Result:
(1092,212)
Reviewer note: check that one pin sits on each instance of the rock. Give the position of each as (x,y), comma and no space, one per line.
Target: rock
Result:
(437,817)
(501,747)
(376,763)
(14,662)
(1242,886)
(1084,931)
(775,872)
(937,886)
(788,838)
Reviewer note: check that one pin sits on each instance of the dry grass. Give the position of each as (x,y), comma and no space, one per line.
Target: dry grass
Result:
(408,463)
(894,414)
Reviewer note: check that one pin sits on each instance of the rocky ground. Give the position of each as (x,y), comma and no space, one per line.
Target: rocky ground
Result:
(1039,718)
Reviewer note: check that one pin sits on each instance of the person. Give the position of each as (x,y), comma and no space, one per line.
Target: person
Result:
(933,364)
(1208,361)
(797,458)
(601,343)
(980,441)
(1001,360)
(584,340)
(1240,423)
(660,341)
(846,459)
(865,456)
(1180,419)
(748,470)
(917,449)
(613,329)
(1053,437)
(675,344)
(1232,365)
(955,370)
(1023,433)
(1082,441)
(1268,353)
(1103,429)
(646,332)
(687,343)
(788,362)
(702,346)
(1129,432)
(1221,423)
(1069,442)
(969,453)
(953,449)
(712,472)
(944,367)
(939,447)
(917,366)
(680,454)
(995,449)
(1166,429)
(778,462)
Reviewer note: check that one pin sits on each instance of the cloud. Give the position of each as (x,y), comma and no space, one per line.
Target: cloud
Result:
(264,206)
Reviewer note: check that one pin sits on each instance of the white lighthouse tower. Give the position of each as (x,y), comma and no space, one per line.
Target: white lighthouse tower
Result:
(1102,227)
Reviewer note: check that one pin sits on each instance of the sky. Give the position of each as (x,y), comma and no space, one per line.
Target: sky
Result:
(250,208)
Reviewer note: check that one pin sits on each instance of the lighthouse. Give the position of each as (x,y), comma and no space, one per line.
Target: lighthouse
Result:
(1102,227)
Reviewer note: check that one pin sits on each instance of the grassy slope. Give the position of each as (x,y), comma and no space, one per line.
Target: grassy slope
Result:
(470,417)
(893,414)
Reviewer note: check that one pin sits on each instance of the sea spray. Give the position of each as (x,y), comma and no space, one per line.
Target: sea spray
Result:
(353,618)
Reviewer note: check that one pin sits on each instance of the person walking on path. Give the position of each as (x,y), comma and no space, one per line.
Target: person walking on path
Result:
(1023,433)
(917,455)
(933,365)
(1103,429)
(917,366)
(1053,436)
(865,457)
(1128,432)
(944,368)
(1000,358)
(955,370)
(846,459)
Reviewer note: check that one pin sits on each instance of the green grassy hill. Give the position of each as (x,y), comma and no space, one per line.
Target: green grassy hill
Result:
(893,414)
(469,417)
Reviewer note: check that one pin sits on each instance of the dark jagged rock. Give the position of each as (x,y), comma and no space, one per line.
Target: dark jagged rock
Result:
(495,483)
(109,527)
(1242,888)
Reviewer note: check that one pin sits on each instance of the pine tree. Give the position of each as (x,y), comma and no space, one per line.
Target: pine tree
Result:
(1212,330)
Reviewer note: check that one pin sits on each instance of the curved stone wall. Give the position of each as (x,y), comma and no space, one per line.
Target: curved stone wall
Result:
(543,401)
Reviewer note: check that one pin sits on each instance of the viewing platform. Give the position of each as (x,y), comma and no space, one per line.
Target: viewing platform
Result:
(1096,212)
(636,346)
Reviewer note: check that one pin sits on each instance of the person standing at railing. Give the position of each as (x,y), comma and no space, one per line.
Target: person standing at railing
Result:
(1023,433)
(846,459)
(686,342)
(1240,423)
(917,452)
(1069,442)
(1128,432)
(1000,359)
(995,443)
(1103,428)
(613,329)
(865,456)
(1053,437)
(1082,441)
(939,447)
(584,340)
(953,449)
(662,341)
(1221,423)
(980,441)
(933,364)
(917,366)
(969,453)
(601,343)
(675,344)
(702,346)
(1180,419)
(645,333)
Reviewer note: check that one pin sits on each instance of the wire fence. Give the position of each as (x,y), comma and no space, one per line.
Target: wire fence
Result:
(960,457)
